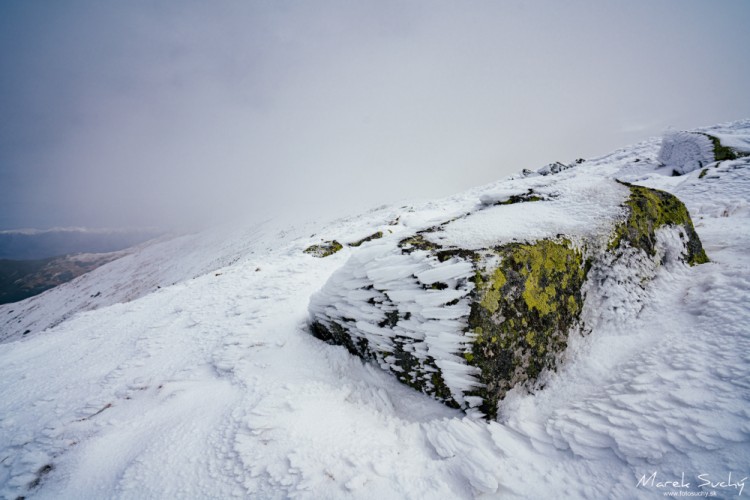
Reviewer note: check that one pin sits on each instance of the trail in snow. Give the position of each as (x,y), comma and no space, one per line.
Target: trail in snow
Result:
(213,388)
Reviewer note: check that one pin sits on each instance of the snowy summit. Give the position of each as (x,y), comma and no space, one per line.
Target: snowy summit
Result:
(581,331)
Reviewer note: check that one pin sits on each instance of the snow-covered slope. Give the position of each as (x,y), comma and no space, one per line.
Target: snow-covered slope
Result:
(141,270)
(212,387)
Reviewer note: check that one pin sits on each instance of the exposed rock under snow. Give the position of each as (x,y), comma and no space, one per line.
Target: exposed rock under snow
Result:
(469,308)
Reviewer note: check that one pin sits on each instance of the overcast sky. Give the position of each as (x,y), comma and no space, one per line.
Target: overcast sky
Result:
(162,112)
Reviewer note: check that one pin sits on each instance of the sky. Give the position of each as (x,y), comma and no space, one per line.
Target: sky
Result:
(179,114)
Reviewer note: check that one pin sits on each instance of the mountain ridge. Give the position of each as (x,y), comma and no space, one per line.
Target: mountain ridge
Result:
(194,373)
(35,244)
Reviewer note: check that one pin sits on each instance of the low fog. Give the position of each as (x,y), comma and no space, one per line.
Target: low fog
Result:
(179,114)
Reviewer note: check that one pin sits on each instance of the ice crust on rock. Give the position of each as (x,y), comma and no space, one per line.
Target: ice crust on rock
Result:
(397,312)
(684,152)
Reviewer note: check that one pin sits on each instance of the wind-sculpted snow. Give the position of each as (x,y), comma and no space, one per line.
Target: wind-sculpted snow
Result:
(686,151)
(214,388)
(400,317)
(467,309)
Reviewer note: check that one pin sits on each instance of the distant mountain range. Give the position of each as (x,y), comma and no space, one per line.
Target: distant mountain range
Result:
(33,261)
(21,279)
(35,244)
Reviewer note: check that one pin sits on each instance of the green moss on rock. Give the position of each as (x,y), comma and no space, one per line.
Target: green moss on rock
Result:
(324,249)
(648,210)
(417,242)
(525,300)
(520,198)
(373,236)
(521,314)
(721,152)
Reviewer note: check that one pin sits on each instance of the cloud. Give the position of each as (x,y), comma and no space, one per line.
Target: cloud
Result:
(156,113)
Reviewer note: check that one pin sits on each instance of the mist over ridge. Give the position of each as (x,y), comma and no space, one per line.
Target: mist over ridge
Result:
(145,114)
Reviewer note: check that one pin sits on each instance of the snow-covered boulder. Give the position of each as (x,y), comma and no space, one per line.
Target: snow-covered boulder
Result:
(684,152)
(324,249)
(467,309)
(553,168)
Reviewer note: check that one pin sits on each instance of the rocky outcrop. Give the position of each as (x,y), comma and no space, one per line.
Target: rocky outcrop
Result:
(323,249)
(684,152)
(374,236)
(470,308)
(326,248)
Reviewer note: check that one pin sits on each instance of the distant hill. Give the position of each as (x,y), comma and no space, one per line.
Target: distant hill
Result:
(20,279)
(34,244)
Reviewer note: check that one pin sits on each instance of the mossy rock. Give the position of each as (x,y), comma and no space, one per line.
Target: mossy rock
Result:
(324,249)
(520,198)
(721,152)
(417,242)
(373,236)
(521,313)
(466,325)
(684,152)
(648,210)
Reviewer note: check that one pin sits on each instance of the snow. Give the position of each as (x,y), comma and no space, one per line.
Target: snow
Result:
(582,207)
(431,331)
(141,271)
(212,387)
(684,152)
(740,142)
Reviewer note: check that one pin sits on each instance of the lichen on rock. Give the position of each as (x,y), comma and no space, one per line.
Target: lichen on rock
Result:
(721,152)
(324,249)
(520,198)
(510,199)
(465,315)
(521,314)
(417,242)
(374,236)
(650,209)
